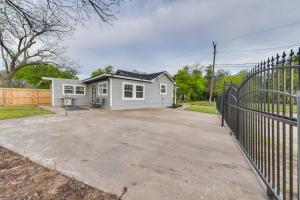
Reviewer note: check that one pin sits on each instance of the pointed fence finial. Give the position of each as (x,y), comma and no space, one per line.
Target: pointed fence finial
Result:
(291,56)
(272,61)
(292,53)
(277,59)
(283,57)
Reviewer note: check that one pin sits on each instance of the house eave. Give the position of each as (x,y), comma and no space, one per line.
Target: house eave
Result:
(129,78)
(168,75)
(96,78)
(47,78)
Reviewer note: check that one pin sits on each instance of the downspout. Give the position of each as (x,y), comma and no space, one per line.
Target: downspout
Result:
(110,93)
(162,96)
(175,94)
(52,92)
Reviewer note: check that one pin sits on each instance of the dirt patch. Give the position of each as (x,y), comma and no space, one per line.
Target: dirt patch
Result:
(21,178)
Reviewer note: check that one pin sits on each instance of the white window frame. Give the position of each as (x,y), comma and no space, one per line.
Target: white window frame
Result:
(101,93)
(74,89)
(133,91)
(165,93)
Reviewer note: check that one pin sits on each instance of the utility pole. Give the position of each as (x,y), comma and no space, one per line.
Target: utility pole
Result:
(212,73)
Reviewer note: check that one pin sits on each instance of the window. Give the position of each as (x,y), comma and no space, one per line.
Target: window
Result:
(128,90)
(102,88)
(73,89)
(139,92)
(133,91)
(68,89)
(79,89)
(163,89)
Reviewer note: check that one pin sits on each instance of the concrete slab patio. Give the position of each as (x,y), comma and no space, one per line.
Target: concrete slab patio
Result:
(156,153)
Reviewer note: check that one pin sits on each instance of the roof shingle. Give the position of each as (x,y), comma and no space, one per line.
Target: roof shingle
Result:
(148,77)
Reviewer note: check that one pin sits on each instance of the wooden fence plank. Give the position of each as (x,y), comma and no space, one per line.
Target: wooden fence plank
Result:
(24,96)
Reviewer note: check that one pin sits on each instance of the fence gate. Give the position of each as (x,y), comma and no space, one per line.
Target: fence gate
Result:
(261,113)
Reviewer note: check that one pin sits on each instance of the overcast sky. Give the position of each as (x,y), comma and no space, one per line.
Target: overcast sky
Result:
(157,35)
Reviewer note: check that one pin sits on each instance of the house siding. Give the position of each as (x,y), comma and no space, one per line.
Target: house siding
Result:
(57,87)
(106,97)
(153,98)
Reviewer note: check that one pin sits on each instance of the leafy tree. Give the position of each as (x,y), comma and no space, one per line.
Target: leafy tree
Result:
(183,79)
(198,85)
(33,75)
(99,71)
(191,84)
(227,79)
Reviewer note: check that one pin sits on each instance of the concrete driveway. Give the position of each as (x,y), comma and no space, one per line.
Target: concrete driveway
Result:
(156,153)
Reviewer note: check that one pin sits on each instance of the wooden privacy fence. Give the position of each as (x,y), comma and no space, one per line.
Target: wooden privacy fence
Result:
(24,96)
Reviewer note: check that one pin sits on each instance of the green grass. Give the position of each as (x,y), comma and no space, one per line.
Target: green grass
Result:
(10,112)
(200,103)
(203,109)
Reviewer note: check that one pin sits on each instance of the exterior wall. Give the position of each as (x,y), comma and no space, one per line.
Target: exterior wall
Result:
(57,89)
(153,98)
(106,97)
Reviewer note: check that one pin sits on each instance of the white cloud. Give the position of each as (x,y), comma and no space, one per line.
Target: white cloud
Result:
(158,35)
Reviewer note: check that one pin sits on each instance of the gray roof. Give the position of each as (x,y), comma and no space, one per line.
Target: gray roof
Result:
(148,77)
(128,75)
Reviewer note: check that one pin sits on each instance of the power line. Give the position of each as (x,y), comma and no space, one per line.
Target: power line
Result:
(231,64)
(260,49)
(264,30)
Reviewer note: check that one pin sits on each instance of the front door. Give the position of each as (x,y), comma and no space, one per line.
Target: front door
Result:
(94,89)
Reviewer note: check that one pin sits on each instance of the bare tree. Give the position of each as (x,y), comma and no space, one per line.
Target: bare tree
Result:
(31,31)
(71,10)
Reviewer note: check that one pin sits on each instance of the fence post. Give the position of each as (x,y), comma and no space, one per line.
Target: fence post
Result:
(298,142)
(223,107)
(223,103)
(237,114)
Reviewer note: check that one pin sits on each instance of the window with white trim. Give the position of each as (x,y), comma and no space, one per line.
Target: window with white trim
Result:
(102,88)
(79,89)
(163,89)
(133,91)
(73,89)
(128,90)
(68,89)
(139,92)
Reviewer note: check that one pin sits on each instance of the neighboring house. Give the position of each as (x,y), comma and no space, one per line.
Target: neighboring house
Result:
(121,90)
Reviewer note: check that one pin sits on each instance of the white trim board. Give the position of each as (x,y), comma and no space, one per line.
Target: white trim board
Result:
(74,89)
(110,92)
(133,91)
(101,83)
(165,93)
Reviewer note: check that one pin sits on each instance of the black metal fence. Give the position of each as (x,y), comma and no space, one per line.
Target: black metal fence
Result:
(262,114)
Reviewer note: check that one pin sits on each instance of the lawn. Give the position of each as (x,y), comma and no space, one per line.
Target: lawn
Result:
(203,109)
(202,106)
(9,112)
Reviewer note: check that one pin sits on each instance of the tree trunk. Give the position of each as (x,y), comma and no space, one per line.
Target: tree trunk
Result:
(8,79)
